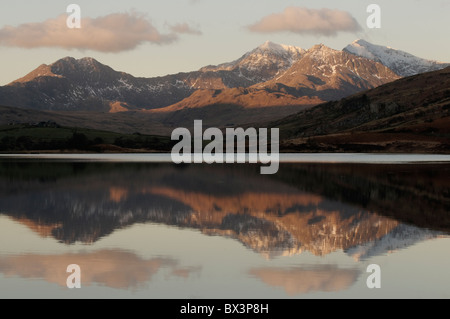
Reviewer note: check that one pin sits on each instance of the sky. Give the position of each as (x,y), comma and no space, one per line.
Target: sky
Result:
(155,38)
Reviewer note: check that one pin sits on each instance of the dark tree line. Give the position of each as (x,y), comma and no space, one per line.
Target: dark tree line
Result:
(79,141)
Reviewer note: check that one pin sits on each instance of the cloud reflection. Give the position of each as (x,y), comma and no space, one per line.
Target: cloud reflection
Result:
(111,268)
(327,278)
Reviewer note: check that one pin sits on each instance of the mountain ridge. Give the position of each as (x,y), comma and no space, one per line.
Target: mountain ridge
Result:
(88,85)
(321,74)
(268,60)
(64,84)
(401,62)
(411,113)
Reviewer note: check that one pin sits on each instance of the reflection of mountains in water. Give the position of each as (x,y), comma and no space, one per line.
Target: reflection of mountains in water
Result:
(315,208)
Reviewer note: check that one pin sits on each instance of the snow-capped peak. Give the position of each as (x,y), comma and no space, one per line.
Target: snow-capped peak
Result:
(269,45)
(402,63)
(262,63)
(320,52)
(88,61)
(279,49)
(321,47)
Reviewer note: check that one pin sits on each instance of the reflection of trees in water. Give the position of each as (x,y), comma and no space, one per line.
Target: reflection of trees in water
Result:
(416,194)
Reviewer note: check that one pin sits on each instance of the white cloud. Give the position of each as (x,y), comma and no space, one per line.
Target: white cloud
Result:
(300,20)
(184,28)
(112,33)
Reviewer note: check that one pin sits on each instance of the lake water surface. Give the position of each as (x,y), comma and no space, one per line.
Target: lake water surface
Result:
(142,227)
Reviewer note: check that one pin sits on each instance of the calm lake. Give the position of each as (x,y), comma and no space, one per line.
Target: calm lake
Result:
(141,227)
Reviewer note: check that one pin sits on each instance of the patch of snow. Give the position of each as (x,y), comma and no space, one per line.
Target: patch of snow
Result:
(402,63)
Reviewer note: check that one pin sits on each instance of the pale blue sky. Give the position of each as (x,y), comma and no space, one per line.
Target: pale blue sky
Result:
(418,27)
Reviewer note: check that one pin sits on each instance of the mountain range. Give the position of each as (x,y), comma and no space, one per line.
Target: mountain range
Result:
(86,84)
(270,75)
(320,74)
(365,97)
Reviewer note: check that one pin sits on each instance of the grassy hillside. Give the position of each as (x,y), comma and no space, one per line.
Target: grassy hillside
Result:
(49,136)
(408,115)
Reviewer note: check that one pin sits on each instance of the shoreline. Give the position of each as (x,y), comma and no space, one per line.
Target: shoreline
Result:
(331,158)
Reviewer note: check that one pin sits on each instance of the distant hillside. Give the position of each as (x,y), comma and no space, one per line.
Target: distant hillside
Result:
(50,136)
(123,123)
(408,115)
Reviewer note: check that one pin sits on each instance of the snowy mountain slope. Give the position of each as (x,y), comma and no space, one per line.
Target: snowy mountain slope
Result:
(402,237)
(262,63)
(331,74)
(402,63)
